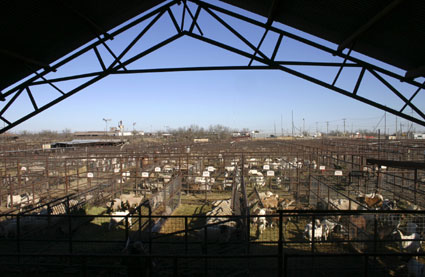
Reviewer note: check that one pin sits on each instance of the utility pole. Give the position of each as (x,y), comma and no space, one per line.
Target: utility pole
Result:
(396,134)
(385,124)
(344,126)
(303,126)
(281,125)
(292,123)
(327,128)
(317,130)
(106,125)
(274,127)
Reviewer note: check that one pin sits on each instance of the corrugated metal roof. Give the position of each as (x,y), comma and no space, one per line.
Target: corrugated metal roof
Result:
(88,141)
(396,38)
(44,31)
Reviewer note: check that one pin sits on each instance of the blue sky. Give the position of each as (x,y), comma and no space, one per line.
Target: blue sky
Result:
(238,99)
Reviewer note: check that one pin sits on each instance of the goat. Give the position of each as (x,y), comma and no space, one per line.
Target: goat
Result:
(388,205)
(387,223)
(8,228)
(329,226)
(219,232)
(117,217)
(285,203)
(343,204)
(130,200)
(17,200)
(318,231)
(410,243)
(270,202)
(372,200)
(114,205)
(260,220)
(274,220)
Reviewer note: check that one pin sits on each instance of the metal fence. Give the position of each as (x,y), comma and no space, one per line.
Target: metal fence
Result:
(184,244)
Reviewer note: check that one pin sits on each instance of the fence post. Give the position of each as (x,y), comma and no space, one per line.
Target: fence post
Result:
(70,232)
(49,211)
(248,232)
(175,267)
(126,227)
(309,188)
(11,192)
(365,262)
(329,197)
(285,265)
(68,210)
(84,266)
(375,233)
(318,193)
(150,228)
(280,245)
(205,240)
(18,233)
(139,231)
(313,224)
(185,234)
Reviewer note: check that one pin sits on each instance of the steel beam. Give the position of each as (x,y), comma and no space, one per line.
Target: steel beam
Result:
(88,83)
(309,78)
(99,58)
(118,66)
(311,43)
(89,47)
(411,99)
(277,46)
(385,82)
(416,72)
(34,104)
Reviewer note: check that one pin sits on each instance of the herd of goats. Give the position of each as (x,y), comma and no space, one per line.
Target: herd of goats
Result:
(405,229)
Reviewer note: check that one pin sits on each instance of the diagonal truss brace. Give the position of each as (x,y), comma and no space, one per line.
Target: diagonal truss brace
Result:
(118,66)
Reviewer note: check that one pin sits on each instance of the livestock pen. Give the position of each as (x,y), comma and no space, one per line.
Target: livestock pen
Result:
(194,246)
(176,230)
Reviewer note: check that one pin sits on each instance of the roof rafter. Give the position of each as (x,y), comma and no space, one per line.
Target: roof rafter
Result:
(416,72)
(360,31)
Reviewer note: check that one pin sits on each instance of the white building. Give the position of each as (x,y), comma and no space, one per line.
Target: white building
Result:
(419,136)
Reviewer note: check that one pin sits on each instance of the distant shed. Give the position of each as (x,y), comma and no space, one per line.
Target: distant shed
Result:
(199,140)
(419,136)
(87,143)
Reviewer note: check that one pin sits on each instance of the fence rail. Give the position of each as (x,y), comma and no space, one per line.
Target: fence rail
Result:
(186,238)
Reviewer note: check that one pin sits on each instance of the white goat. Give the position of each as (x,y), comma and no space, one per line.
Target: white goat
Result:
(327,227)
(22,200)
(318,231)
(410,243)
(131,200)
(343,204)
(118,217)
(261,221)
